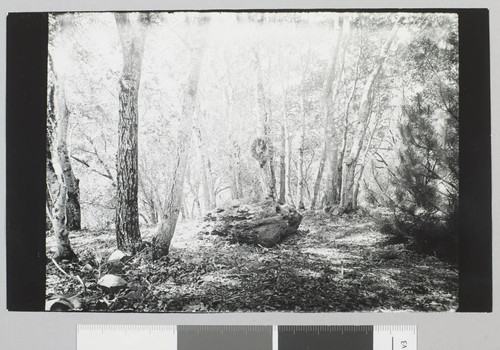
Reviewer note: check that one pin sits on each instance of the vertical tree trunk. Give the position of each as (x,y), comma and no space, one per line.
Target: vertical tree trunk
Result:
(302,179)
(206,171)
(132,36)
(267,166)
(235,164)
(283,181)
(55,182)
(346,127)
(364,159)
(329,155)
(317,182)
(73,215)
(173,202)
(350,162)
(286,152)
(58,199)
(330,94)
(55,188)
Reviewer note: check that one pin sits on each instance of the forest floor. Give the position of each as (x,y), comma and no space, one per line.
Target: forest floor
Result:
(337,264)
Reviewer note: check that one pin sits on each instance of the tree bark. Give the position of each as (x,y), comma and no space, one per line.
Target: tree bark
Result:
(330,94)
(73,214)
(235,162)
(206,171)
(350,162)
(173,202)
(267,168)
(330,151)
(303,118)
(346,127)
(132,33)
(283,180)
(55,188)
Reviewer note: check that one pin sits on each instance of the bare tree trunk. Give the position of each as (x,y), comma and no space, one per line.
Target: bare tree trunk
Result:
(350,162)
(195,190)
(206,172)
(329,154)
(317,183)
(55,184)
(364,158)
(302,179)
(346,127)
(132,32)
(55,188)
(283,181)
(173,202)
(73,214)
(266,165)
(286,150)
(330,94)
(235,166)
(58,198)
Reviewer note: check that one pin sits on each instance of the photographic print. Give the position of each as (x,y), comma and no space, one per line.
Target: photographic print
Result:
(268,161)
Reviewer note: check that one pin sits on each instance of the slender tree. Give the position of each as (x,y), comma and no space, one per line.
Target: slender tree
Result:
(174,195)
(56,188)
(132,32)
(264,146)
(330,150)
(351,161)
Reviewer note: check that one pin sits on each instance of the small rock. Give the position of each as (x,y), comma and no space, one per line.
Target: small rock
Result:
(112,282)
(336,211)
(133,295)
(87,268)
(63,303)
(59,304)
(118,255)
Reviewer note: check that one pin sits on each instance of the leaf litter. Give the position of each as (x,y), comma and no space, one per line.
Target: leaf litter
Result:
(334,264)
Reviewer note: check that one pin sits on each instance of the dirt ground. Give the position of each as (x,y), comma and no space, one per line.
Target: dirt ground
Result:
(338,264)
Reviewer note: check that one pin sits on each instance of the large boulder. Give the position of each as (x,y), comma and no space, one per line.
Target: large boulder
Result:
(264,223)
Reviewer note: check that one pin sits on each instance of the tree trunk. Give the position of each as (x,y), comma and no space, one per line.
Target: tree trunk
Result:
(283,181)
(132,36)
(346,127)
(55,187)
(317,183)
(173,202)
(206,172)
(302,179)
(73,215)
(58,198)
(267,165)
(235,163)
(364,158)
(330,94)
(350,162)
(329,155)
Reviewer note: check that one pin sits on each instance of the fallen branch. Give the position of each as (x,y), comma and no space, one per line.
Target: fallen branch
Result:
(78,278)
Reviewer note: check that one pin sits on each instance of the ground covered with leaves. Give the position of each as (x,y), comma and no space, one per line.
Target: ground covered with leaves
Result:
(335,264)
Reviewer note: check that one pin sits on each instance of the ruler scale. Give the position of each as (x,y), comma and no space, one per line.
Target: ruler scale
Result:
(246,337)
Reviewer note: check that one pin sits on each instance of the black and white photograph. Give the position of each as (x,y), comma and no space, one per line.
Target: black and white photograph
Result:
(267,161)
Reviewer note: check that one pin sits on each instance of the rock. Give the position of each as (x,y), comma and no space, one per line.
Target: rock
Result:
(336,211)
(264,223)
(87,268)
(118,255)
(133,295)
(62,303)
(112,282)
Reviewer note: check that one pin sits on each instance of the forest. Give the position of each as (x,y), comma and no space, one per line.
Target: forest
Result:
(252,161)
